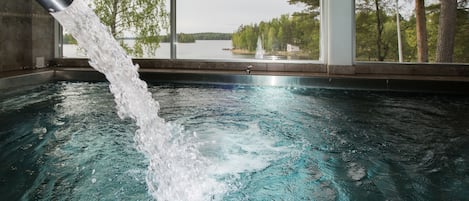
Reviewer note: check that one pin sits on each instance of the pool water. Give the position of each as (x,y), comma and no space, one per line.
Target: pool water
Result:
(65,141)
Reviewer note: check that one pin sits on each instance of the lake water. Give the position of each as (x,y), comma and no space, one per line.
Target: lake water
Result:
(201,49)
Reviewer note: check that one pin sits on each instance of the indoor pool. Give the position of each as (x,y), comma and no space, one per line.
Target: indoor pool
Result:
(65,141)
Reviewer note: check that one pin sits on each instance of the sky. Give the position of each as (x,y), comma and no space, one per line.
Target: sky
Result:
(195,16)
(227,15)
(407,6)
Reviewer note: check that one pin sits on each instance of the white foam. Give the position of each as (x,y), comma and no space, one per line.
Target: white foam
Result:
(247,151)
(356,171)
(176,171)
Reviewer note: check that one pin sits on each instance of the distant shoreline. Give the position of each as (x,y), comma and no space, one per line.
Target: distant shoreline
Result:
(275,53)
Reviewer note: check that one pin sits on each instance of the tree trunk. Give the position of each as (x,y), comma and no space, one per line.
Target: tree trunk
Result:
(114,11)
(422,41)
(446,31)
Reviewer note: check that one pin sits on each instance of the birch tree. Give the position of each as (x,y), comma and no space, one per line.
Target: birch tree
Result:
(143,20)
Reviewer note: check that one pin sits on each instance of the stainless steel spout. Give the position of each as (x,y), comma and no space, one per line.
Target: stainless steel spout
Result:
(248,69)
(55,5)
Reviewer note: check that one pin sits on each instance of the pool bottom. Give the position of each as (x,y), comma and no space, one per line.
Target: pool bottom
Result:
(64,141)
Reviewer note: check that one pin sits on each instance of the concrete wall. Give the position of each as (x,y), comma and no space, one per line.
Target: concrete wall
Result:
(26,33)
(42,34)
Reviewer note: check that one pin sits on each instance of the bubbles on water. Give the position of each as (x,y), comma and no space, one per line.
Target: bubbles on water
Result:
(58,122)
(356,171)
(40,130)
(428,159)
(325,192)
(316,174)
(176,171)
(179,168)
(26,147)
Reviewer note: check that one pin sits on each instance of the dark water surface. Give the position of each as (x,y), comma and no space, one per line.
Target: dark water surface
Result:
(64,141)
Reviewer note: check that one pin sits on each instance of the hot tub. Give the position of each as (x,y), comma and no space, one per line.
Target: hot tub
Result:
(62,140)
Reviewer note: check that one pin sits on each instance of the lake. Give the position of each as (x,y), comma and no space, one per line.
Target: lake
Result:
(201,49)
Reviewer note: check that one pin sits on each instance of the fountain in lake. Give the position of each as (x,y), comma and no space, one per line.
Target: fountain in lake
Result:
(259,49)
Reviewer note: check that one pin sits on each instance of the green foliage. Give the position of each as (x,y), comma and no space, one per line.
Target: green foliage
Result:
(367,36)
(311,5)
(212,36)
(192,37)
(68,39)
(376,38)
(300,30)
(144,19)
(246,37)
(185,38)
(461,49)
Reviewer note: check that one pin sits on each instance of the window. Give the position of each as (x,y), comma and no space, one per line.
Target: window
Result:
(223,29)
(140,27)
(377,37)
(246,29)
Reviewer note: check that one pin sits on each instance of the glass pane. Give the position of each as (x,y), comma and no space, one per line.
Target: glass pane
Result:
(377,31)
(246,29)
(140,30)
(70,47)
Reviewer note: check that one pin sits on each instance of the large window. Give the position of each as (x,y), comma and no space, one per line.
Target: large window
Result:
(221,29)
(140,27)
(261,29)
(427,33)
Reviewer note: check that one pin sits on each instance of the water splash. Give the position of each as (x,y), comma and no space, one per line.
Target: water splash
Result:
(259,49)
(176,170)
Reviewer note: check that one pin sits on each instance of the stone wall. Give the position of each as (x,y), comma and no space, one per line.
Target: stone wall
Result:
(26,33)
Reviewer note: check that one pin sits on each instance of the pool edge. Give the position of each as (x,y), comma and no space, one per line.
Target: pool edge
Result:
(26,79)
(425,84)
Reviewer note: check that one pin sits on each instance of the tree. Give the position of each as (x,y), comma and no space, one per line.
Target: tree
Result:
(300,30)
(271,39)
(374,10)
(461,50)
(422,41)
(382,49)
(311,5)
(185,38)
(68,39)
(446,31)
(146,19)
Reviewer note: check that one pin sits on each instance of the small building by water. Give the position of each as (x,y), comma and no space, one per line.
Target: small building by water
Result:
(292,48)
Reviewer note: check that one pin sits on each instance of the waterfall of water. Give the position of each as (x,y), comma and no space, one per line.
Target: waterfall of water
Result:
(176,169)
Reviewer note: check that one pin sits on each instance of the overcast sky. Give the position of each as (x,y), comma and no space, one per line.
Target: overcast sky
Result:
(407,6)
(194,16)
(227,15)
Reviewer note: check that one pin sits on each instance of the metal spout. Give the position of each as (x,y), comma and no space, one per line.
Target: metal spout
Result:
(248,69)
(55,5)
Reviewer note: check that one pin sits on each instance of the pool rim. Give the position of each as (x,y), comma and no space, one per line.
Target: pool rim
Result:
(413,84)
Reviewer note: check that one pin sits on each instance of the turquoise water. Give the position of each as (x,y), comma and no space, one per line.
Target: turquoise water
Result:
(64,141)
